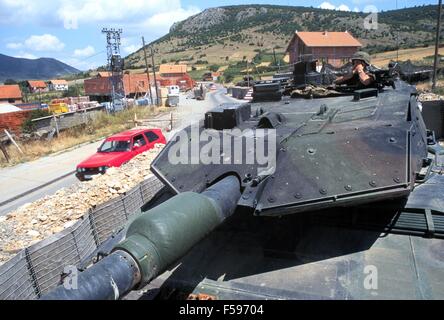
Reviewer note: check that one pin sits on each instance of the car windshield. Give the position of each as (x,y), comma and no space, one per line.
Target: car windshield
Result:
(115,146)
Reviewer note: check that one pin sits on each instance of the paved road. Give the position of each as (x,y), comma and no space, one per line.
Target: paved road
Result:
(45,191)
(191,110)
(24,177)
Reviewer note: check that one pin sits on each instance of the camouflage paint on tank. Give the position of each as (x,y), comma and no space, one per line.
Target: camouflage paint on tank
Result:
(330,152)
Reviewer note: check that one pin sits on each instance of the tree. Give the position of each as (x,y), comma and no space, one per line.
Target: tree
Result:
(71,92)
(24,89)
(74,91)
(214,68)
(229,77)
(10,81)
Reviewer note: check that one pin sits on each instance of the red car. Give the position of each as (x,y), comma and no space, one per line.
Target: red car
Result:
(117,150)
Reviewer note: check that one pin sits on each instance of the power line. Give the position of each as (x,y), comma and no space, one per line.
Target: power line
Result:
(94,55)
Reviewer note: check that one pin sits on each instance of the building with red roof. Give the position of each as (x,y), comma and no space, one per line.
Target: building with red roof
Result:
(10,94)
(37,86)
(335,48)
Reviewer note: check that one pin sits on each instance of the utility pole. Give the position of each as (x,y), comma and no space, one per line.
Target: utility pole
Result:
(155,79)
(147,71)
(274,54)
(435,63)
(248,74)
(397,39)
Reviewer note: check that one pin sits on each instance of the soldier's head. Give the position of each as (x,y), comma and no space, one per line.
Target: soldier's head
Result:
(361,57)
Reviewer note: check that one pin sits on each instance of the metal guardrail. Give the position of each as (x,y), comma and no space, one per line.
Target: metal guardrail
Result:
(37,269)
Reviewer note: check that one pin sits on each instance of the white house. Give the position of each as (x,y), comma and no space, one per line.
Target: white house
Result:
(58,85)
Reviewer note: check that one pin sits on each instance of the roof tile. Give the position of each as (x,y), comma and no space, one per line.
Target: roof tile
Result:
(37,84)
(10,92)
(59,82)
(172,68)
(328,39)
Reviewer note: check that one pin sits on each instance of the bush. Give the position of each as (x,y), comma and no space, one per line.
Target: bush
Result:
(229,77)
(72,91)
(28,126)
(214,67)
(10,81)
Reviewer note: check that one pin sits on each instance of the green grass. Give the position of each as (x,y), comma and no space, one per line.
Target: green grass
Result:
(44,97)
(197,74)
(439,91)
(236,71)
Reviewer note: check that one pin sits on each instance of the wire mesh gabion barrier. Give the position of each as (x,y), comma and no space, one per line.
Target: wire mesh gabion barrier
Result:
(38,269)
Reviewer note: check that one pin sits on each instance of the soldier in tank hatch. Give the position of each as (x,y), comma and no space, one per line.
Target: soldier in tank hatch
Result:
(360,75)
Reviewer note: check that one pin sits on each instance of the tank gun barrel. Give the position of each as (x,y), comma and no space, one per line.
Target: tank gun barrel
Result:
(153,241)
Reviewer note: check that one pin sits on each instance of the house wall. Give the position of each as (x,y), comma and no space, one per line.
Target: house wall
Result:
(11,100)
(168,75)
(336,56)
(35,90)
(293,49)
(58,87)
(13,121)
(134,84)
(98,87)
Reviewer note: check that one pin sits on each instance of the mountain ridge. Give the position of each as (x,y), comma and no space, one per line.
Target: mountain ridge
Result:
(228,34)
(33,69)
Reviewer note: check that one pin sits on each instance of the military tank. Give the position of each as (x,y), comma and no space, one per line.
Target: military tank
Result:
(332,156)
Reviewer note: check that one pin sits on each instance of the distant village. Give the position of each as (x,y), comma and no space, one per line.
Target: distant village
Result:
(334,48)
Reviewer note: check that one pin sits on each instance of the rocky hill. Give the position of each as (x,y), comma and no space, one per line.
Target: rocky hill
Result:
(225,35)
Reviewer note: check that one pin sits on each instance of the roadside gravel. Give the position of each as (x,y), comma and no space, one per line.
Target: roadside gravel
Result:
(39,220)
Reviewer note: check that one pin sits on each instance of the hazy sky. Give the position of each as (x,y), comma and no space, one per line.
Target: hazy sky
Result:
(70,30)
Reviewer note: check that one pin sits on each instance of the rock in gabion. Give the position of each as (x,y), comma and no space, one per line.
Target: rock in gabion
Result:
(39,220)
(429,96)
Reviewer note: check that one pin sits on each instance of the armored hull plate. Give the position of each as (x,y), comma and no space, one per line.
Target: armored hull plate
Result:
(249,259)
(329,152)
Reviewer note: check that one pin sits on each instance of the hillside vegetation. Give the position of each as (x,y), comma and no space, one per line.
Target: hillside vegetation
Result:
(226,36)
(35,69)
